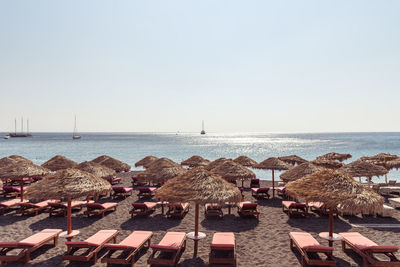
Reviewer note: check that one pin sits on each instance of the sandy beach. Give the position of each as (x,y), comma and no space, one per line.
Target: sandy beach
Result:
(262,242)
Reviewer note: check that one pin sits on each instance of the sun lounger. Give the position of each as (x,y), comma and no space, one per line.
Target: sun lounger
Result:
(60,208)
(310,249)
(12,191)
(248,209)
(294,208)
(213,210)
(320,208)
(122,192)
(26,208)
(5,205)
(28,245)
(127,248)
(114,180)
(146,191)
(177,209)
(90,247)
(254,183)
(281,191)
(223,250)
(260,192)
(169,249)
(100,209)
(142,209)
(367,248)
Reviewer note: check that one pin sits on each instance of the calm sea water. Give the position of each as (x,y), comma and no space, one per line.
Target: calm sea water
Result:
(131,147)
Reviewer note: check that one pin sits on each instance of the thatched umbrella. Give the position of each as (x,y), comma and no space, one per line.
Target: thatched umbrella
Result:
(230,170)
(293,159)
(199,186)
(20,159)
(146,161)
(69,184)
(195,161)
(161,170)
(215,163)
(327,163)
(112,163)
(273,164)
(10,160)
(360,168)
(299,171)
(380,157)
(393,164)
(335,156)
(96,169)
(333,188)
(245,161)
(58,163)
(20,170)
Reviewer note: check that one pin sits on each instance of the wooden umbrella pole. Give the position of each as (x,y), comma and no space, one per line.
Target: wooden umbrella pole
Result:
(242,182)
(196,228)
(273,184)
(21,184)
(330,227)
(69,226)
(386,178)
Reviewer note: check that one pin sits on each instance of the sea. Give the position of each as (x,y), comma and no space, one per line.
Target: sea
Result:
(131,147)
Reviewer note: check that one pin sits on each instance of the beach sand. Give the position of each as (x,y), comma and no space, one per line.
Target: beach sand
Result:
(262,242)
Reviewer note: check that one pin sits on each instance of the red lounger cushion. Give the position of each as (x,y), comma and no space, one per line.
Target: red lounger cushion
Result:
(101,206)
(171,240)
(363,243)
(123,189)
(317,205)
(292,204)
(39,237)
(247,205)
(223,240)
(10,203)
(308,242)
(260,190)
(96,239)
(35,205)
(134,240)
(213,206)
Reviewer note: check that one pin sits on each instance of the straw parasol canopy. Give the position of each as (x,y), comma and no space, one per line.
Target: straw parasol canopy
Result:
(112,163)
(231,170)
(393,164)
(273,164)
(146,161)
(293,159)
(199,186)
(380,157)
(58,163)
(245,161)
(69,184)
(195,161)
(10,160)
(360,168)
(96,169)
(299,171)
(215,163)
(326,163)
(161,170)
(20,159)
(335,188)
(1,183)
(335,156)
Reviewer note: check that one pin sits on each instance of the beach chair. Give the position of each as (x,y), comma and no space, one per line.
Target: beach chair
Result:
(114,180)
(281,191)
(122,192)
(146,191)
(247,208)
(126,250)
(86,250)
(12,191)
(26,208)
(321,208)
(27,245)
(60,208)
(6,205)
(294,208)
(254,183)
(310,250)
(143,209)
(169,249)
(392,182)
(177,210)
(260,192)
(213,210)
(100,209)
(367,248)
(223,250)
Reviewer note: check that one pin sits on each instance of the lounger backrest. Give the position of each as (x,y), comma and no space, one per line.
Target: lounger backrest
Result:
(136,239)
(249,206)
(171,240)
(119,189)
(41,236)
(357,240)
(95,205)
(101,237)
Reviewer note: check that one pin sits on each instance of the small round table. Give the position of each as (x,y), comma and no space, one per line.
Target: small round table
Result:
(69,236)
(193,237)
(335,237)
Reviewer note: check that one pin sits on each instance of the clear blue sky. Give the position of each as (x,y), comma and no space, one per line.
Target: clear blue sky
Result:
(263,66)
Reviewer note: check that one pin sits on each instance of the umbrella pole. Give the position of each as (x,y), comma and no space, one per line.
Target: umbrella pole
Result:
(69,227)
(196,229)
(386,178)
(21,184)
(242,182)
(330,227)
(273,184)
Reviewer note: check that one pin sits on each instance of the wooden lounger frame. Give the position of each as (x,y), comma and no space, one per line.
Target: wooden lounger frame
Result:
(141,210)
(296,210)
(121,194)
(222,261)
(177,213)
(95,210)
(61,208)
(173,261)
(261,194)
(145,193)
(213,212)
(248,212)
(30,208)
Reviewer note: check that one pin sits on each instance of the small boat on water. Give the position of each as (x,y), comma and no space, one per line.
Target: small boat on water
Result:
(75,135)
(6,137)
(21,134)
(202,127)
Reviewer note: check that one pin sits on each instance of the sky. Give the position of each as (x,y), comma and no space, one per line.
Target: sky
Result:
(164,66)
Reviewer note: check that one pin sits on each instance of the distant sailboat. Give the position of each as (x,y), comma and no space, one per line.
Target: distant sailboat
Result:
(75,135)
(202,127)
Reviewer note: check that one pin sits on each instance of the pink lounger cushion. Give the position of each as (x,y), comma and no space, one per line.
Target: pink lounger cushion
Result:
(363,243)
(307,242)
(213,206)
(39,237)
(10,203)
(292,204)
(317,205)
(146,189)
(179,205)
(247,205)
(148,205)
(74,204)
(259,190)
(123,189)
(134,240)
(35,205)
(97,239)
(106,205)
(171,240)
(223,240)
